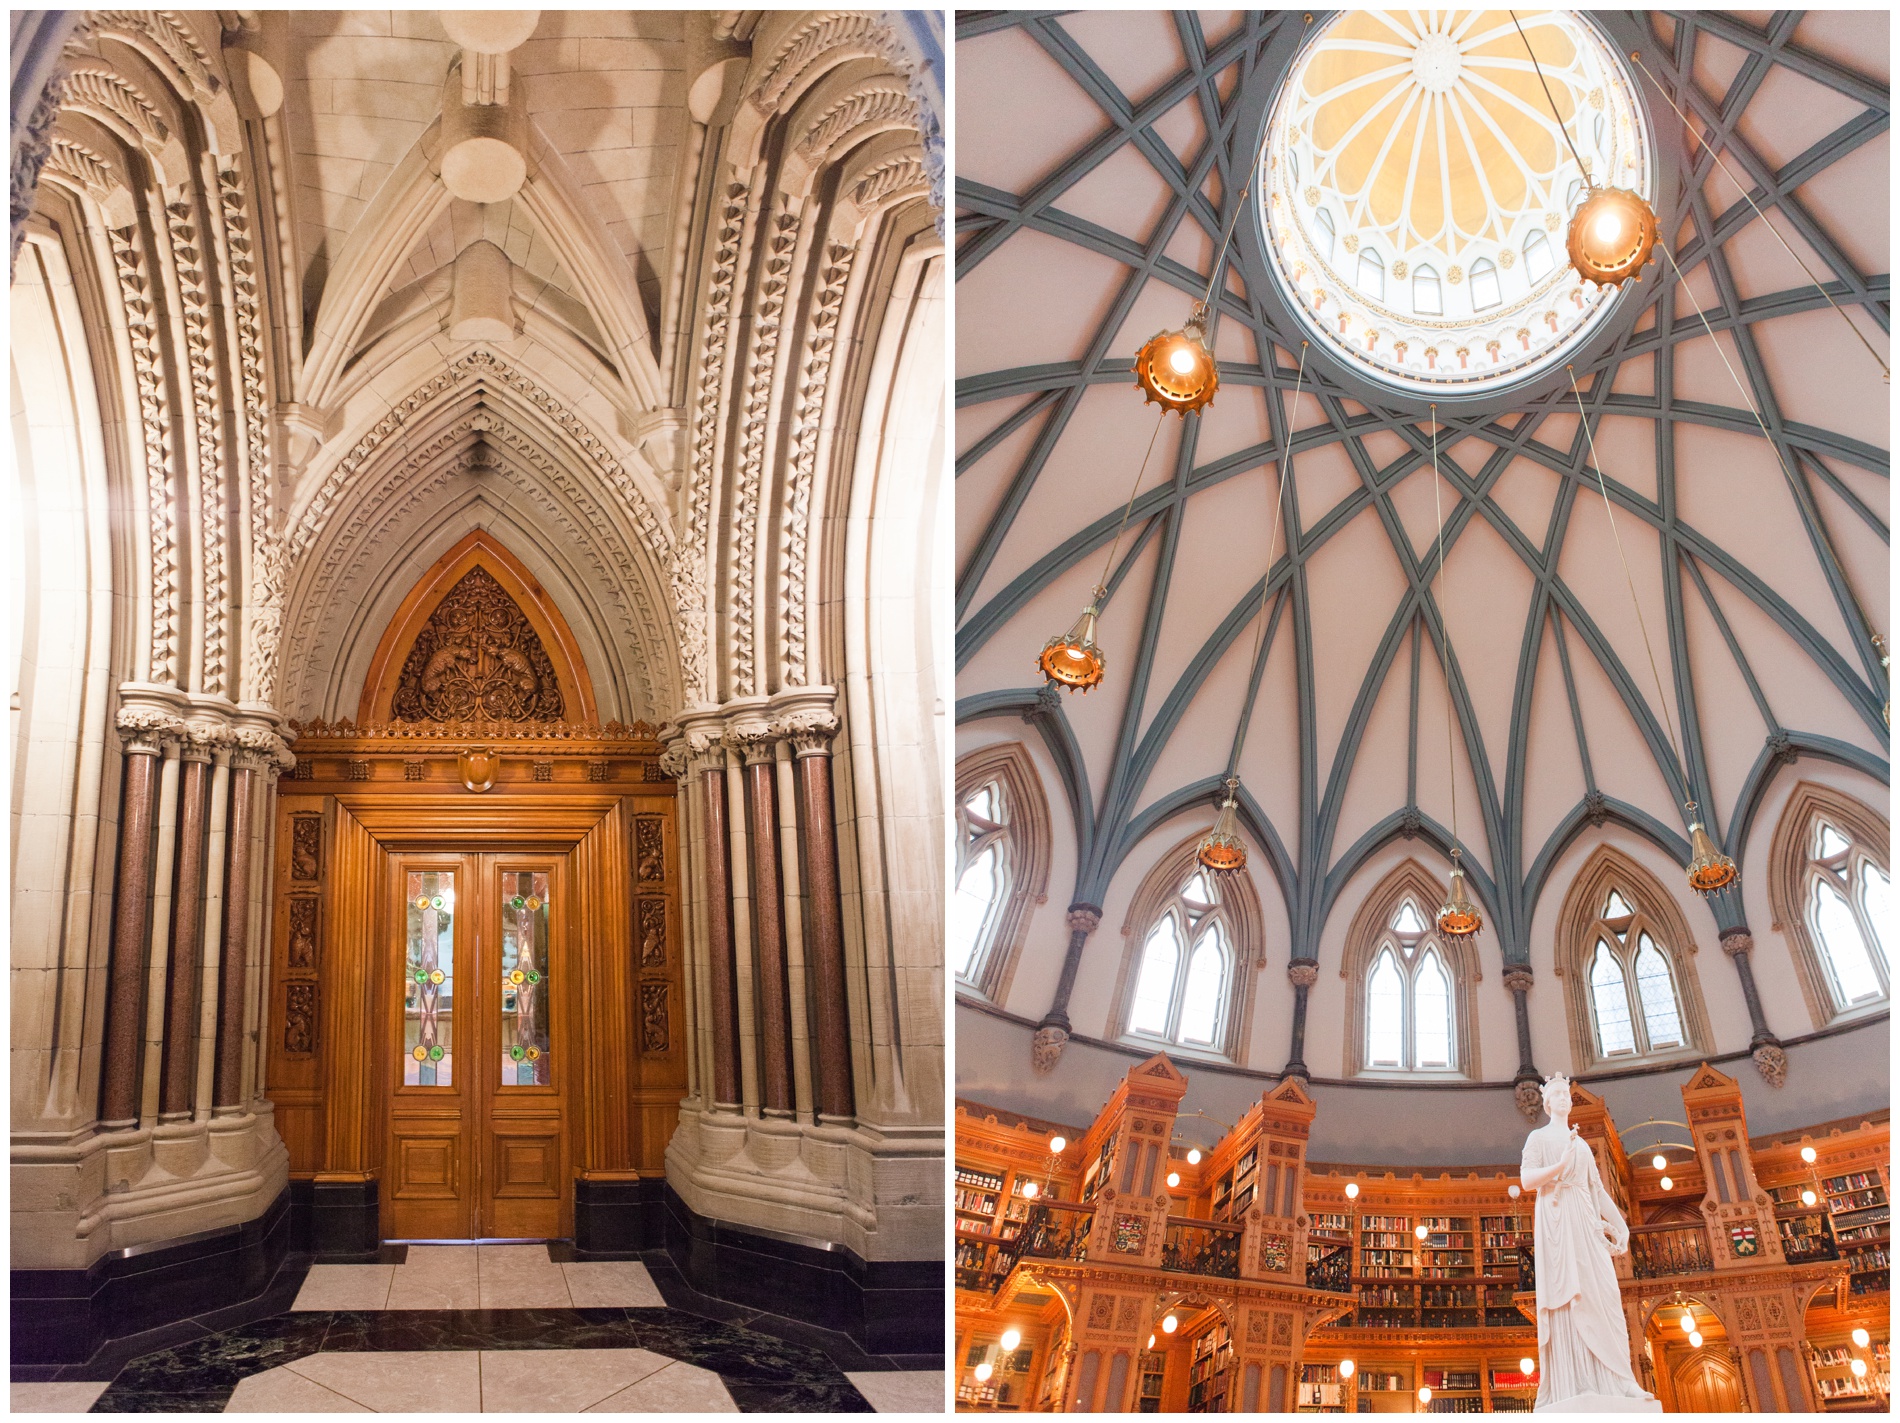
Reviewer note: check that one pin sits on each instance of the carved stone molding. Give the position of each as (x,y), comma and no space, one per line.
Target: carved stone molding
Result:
(1736,942)
(1530,1099)
(148,730)
(820,343)
(1302,973)
(1084,919)
(1045,1049)
(1772,1063)
(1518,978)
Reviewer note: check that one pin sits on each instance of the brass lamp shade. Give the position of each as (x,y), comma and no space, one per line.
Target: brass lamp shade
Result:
(1709,869)
(1458,917)
(1071,660)
(1176,370)
(1222,852)
(1612,236)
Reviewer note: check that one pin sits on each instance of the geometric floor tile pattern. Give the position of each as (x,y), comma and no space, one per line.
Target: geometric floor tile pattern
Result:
(497,1381)
(508,1328)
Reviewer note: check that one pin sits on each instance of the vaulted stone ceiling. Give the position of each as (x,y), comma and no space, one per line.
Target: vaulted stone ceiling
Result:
(1099,155)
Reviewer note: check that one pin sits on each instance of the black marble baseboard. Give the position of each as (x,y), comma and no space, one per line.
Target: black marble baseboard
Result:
(884,1306)
(618,1220)
(337,1222)
(65,1316)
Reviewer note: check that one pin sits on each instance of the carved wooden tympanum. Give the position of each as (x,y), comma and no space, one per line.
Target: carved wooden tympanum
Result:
(477,659)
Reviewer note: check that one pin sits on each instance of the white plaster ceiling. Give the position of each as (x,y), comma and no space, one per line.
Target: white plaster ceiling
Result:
(1080,140)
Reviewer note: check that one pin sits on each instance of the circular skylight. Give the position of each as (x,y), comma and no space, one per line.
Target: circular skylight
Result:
(1418,190)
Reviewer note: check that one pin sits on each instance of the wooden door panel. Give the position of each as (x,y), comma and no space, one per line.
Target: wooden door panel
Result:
(425,1168)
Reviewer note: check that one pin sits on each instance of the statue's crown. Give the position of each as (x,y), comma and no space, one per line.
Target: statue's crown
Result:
(1552,1082)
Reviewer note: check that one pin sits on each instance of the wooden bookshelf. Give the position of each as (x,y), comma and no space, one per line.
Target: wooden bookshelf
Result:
(1860,1214)
(1321,1390)
(1210,1371)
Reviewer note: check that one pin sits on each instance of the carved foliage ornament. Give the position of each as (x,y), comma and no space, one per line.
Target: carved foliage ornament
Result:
(477,659)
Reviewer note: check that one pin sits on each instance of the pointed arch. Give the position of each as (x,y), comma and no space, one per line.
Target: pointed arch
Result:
(478,550)
(1229,921)
(1370,937)
(1585,926)
(1791,880)
(1022,861)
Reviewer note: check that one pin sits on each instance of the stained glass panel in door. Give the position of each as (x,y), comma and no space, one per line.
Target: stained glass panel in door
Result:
(524,979)
(429,980)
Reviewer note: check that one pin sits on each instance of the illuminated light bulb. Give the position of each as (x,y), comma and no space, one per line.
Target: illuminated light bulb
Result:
(1659,1161)
(983,1372)
(1420,1231)
(1425,1394)
(1688,1322)
(1695,1339)
(1072,661)
(1612,236)
(1151,1341)
(1527,1366)
(1514,1190)
(1174,1178)
(1346,1367)
(1175,370)
(1862,1338)
(1194,1156)
(1808,1198)
(1030,1188)
(1056,1144)
(1807,1154)
(1170,1324)
(1011,1338)
(1352,1190)
(1667,1184)
(1859,1366)
(1458,917)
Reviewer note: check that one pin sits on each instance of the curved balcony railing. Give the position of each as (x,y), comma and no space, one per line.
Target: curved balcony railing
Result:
(1198,1247)
(1054,1230)
(1329,1269)
(1657,1250)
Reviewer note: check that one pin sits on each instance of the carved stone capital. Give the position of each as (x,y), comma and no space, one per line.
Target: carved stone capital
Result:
(674,760)
(1530,1099)
(753,740)
(1045,1049)
(1596,808)
(1736,942)
(1772,1063)
(1302,973)
(147,730)
(1084,918)
(1518,978)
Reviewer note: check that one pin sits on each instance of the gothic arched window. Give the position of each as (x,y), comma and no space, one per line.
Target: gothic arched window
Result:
(1538,259)
(1485,291)
(1623,953)
(1002,865)
(1830,890)
(1427,297)
(1410,1009)
(1193,940)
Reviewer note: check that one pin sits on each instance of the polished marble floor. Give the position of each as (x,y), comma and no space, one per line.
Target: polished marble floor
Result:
(508,1328)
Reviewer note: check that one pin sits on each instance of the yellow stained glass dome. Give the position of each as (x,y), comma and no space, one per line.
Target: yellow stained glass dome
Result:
(1418,187)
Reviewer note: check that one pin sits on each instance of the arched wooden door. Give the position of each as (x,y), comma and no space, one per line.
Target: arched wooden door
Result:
(1706,1384)
(475,986)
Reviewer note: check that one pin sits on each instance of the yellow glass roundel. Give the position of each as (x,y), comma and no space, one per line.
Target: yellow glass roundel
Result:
(1419,192)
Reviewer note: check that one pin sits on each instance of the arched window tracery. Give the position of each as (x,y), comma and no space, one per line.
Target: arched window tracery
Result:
(1001,867)
(1830,888)
(1410,1009)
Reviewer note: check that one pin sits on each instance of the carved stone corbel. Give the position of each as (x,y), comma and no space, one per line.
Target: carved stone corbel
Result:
(1302,973)
(1045,1049)
(1518,978)
(1530,1098)
(1737,941)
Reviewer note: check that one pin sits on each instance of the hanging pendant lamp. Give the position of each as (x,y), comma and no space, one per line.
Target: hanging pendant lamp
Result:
(1222,852)
(1709,869)
(1071,660)
(1613,234)
(1458,917)
(1175,370)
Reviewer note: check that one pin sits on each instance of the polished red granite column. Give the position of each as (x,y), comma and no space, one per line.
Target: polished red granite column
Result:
(831,1027)
(184,970)
(725,1011)
(228,1081)
(768,927)
(131,928)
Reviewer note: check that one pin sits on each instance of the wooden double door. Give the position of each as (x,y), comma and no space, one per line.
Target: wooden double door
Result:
(479,1032)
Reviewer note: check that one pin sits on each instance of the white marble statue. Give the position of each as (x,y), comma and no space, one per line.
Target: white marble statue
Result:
(1582,1337)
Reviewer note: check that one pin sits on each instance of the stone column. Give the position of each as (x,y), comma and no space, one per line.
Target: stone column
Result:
(1770,1061)
(1303,974)
(724,1028)
(144,731)
(227,1093)
(187,929)
(1527,1086)
(1052,1033)
(768,925)
(812,747)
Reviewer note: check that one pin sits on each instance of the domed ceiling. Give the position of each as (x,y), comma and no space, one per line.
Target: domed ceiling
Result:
(1738,425)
